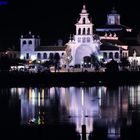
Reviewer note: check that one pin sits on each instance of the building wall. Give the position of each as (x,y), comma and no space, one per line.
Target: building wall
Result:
(109,54)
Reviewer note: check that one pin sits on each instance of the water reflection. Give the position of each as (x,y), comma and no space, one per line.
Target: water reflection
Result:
(91,106)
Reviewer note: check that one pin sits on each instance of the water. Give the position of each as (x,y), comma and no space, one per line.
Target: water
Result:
(109,110)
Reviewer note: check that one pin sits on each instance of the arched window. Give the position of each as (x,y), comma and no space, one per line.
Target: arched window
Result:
(79,31)
(116,55)
(105,55)
(24,42)
(38,55)
(84,31)
(44,56)
(51,56)
(88,39)
(79,39)
(111,55)
(84,39)
(30,42)
(56,57)
(88,31)
(84,20)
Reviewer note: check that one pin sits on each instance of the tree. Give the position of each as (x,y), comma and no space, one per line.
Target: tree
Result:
(124,63)
(56,61)
(94,61)
(112,65)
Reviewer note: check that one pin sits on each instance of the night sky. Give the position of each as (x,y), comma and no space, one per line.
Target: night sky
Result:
(55,19)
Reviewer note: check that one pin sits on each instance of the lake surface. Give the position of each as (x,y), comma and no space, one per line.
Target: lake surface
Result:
(114,109)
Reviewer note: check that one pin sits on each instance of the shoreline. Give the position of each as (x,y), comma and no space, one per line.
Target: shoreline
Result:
(68,79)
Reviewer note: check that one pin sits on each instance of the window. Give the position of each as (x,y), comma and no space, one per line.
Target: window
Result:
(84,31)
(30,42)
(84,20)
(51,56)
(79,39)
(38,55)
(84,39)
(105,55)
(79,31)
(44,56)
(111,55)
(88,31)
(116,55)
(88,39)
(24,42)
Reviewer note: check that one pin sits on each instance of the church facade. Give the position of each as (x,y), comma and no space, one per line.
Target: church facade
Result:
(104,43)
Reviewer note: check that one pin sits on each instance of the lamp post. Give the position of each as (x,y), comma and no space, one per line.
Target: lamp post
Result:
(89,65)
(82,65)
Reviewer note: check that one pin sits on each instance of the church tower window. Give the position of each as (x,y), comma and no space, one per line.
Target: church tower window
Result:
(88,31)
(79,39)
(79,31)
(88,39)
(84,20)
(84,31)
(84,39)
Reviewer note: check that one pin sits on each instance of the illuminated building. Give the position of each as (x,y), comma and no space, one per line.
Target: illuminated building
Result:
(106,43)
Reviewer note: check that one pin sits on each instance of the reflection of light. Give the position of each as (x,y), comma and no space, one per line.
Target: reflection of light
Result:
(39,98)
(33,96)
(51,92)
(42,94)
(30,95)
(99,95)
(82,97)
(42,98)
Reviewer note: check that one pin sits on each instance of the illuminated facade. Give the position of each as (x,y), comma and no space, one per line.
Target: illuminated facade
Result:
(30,48)
(105,43)
(84,42)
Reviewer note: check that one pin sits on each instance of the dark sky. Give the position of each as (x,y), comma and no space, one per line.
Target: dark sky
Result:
(54,19)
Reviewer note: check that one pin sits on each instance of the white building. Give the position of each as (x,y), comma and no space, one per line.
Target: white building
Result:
(83,44)
(30,49)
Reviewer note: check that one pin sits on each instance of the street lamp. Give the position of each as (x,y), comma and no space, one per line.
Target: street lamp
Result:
(82,64)
(89,64)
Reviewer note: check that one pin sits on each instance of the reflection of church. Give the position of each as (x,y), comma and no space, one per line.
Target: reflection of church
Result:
(106,43)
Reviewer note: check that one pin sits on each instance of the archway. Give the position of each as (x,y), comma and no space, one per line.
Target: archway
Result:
(81,52)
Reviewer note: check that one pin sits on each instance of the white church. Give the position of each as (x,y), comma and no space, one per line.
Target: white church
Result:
(84,43)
